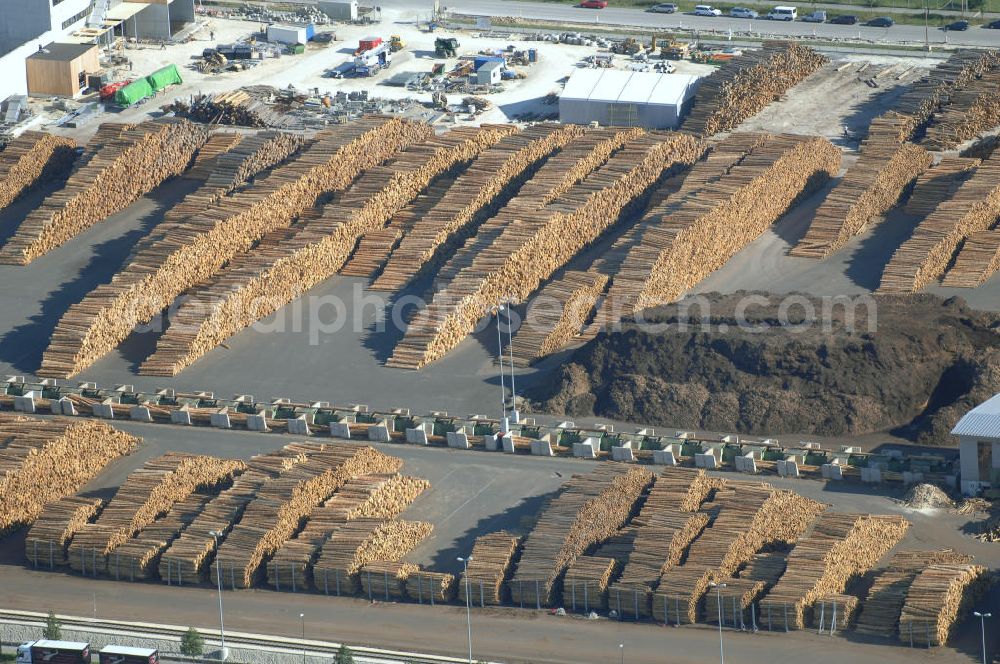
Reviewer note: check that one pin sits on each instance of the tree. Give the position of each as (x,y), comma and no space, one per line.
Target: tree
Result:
(192,644)
(53,628)
(344,656)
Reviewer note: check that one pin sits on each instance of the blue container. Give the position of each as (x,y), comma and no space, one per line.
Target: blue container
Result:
(310,31)
(532,55)
(483,59)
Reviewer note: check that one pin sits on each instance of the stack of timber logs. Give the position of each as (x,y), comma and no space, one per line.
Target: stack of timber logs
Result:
(385,580)
(277,512)
(982,148)
(491,560)
(272,276)
(147,494)
(941,596)
(970,112)
(31,158)
(200,246)
(118,175)
(744,86)
(361,542)
(939,183)
(925,256)
(869,189)
(766,567)
(526,253)
(977,260)
(372,249)
(835,613)
(476,194)
(217,143)
(431,587)
(585,586)
(737,602)
(43,460)
(590,508)
(880,611)
(45,545)
(840,548)
(235,107)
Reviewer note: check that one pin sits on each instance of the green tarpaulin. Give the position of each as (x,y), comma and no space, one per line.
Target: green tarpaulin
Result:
(162,78)
(133,92)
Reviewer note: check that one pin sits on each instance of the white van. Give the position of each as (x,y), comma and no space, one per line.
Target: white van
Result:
(783,14)
(707,10)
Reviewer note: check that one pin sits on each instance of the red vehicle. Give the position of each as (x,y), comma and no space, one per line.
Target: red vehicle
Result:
(109,90)
(594,4)
(367,44)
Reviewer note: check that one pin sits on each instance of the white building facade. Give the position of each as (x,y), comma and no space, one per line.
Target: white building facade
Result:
(979,447)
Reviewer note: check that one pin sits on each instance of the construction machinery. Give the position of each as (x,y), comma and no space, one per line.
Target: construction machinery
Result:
(396,43)
(630,46)
(446,47)
(670,48)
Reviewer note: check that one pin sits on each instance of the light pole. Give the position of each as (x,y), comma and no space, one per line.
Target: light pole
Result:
(718,600)
(302,617)
(503,389)
(510,348)
(218,579)
(982,625)
(468,597)
(621,649)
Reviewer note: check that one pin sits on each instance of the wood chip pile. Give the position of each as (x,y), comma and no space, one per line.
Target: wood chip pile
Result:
(737,600)
(840,548)
(940,597)
(977,260)
(148,494)
(201,245)
(924,257)
(431,587)
(277,512)
(475,195)
(585,586)
(385,580)
(278,272)
(119,174)
(939,183)
(880,612)
(589,509)
(44,460)
(31,158)
(526,253)
(47,539)
(744,86)
(970,112)
(835,613)
(493,557)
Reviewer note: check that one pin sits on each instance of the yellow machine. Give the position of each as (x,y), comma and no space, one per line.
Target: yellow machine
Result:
(396,43)
(670,48)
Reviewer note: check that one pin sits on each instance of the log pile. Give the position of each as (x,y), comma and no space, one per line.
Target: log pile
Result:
(235,107)
(869,189)
(589,509)
(585,586)
(48,537)
(940,597)
(147,494)
(839,548)
(217,143)
(835,613)
(372,249)
(385,580)
(925,256)
(119,174)
(526,253)
(361,542)
(44,460)
(970,112)
(977,260)
(737,598)
(202,244)
(31,158)
(939,183)
(276,274)
(277,512)
(880,612)
(476,194)
(744,86)
(766,567)
(431,587)
(491,561)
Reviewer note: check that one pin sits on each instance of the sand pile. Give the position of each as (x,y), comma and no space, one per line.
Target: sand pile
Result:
(923,496)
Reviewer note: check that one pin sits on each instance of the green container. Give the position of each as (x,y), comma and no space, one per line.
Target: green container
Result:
(163,78)
(296,49)
(134,92)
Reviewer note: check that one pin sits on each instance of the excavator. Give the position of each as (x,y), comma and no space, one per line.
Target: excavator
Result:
(670,48)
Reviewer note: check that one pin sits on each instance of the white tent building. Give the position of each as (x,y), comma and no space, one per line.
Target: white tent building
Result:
(979,447)
(616,98)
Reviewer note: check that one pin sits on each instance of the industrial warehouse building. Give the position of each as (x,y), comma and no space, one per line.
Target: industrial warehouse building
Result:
(612,97)
(979,446)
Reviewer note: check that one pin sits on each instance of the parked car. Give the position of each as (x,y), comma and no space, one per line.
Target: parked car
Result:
(881,22)
(663,8)
(707,10)
(957,26)
(742,12)
(844,19)
(995,25)
(816,17)
(594,4)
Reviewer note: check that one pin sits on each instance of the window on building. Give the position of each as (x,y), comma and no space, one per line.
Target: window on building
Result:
(76,17)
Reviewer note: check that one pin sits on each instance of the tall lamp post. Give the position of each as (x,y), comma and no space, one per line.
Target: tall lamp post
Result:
(302,617)
(503,386)
(718,600)
(982,625)
(218,579)
(510,348)
(621,649)
(468,599)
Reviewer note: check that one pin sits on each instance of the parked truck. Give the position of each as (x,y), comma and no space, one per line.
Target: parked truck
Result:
(372,61)
(128,655)
(53,652)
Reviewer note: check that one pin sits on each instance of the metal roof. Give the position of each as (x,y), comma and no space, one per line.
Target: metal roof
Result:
(983,421)
(128,650)
(62,52)
(672,89)
(581,84)
(615,85)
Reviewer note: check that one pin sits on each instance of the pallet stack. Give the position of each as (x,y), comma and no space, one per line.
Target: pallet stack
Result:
(939,183)
(48,538)
(926,255)
(44,460)
(744,86)
(476,194)
(839,548)
(941,596)
(118,175)
(493,556)
(279,272)
(200,246)
(277,512)
(978,259)
(585,586)
(32,158)
(589,509)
